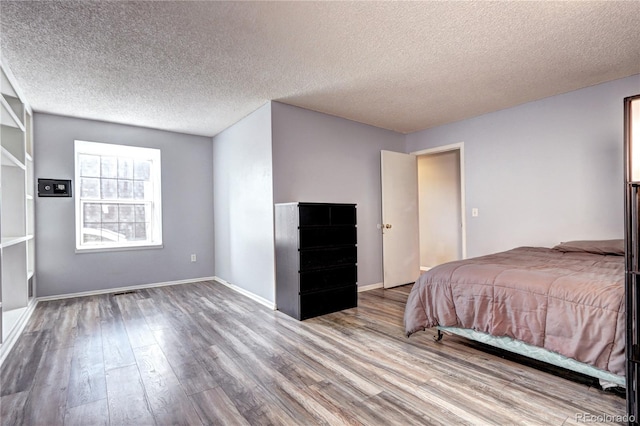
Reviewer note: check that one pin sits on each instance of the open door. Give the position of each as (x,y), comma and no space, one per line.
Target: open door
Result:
(400,232)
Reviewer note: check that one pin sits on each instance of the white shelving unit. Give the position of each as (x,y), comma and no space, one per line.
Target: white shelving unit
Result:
(17,243)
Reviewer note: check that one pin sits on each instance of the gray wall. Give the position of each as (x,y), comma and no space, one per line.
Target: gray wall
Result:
(187,209)
(542,172)
(243,212)
(321,158)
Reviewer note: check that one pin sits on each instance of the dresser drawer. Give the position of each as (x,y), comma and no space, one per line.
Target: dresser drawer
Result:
(325,279)
(327,257)
(315,214)
(343,215)
(324,302)
(326,236)
(327,214)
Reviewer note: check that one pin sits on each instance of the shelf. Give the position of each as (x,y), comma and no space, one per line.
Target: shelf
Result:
(17,208)
(14,206)
(10,318)
(13,141)
(8,115)
(10,241)
(14,277)
(12,106)
(6,86)
(8,159)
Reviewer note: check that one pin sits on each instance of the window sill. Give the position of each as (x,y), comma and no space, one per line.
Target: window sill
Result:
(118,248)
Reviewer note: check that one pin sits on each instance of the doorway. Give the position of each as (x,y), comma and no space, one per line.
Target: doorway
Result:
(401,253)
(441,205)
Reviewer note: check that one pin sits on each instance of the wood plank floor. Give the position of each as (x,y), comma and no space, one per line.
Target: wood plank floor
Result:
(203,354)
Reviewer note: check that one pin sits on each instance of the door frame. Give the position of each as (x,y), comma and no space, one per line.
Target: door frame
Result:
(447,148)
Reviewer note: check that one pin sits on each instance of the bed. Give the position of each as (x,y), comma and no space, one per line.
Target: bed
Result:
(564,305)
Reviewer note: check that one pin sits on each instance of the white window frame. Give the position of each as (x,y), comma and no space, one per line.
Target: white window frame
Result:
(140,153)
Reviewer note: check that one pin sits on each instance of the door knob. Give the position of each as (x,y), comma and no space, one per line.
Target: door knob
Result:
(387,225)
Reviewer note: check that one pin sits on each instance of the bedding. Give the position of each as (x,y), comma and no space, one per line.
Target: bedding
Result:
(569,302)
(612,247)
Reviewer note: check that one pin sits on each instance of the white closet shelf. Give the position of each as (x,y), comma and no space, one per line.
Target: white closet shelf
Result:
(8,159)
(9,117)
(10,241)
(17,262)
(10,318)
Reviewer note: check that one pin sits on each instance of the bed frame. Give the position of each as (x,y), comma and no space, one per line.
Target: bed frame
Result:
(606,378)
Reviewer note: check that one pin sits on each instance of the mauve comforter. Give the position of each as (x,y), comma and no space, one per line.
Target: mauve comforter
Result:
(570,303)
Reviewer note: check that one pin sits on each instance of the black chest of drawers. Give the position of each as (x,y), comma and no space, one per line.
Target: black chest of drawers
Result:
(316,258)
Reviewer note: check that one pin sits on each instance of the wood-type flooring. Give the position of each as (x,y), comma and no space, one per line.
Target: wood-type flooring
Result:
(203,354)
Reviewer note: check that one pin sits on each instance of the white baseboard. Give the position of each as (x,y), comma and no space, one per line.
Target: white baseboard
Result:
(246,293)
(369,287)
(119,289)
(17,330)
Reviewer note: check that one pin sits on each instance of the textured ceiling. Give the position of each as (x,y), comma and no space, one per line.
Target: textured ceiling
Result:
(199,67)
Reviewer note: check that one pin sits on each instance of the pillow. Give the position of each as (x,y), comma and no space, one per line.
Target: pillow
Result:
(610,247)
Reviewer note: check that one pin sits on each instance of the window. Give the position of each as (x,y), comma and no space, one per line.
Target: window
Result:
(117,196)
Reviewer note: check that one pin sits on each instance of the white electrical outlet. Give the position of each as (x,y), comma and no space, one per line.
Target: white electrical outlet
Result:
(193,258)
(474,212)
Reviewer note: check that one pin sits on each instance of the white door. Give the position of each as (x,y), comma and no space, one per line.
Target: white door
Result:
(400,233)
